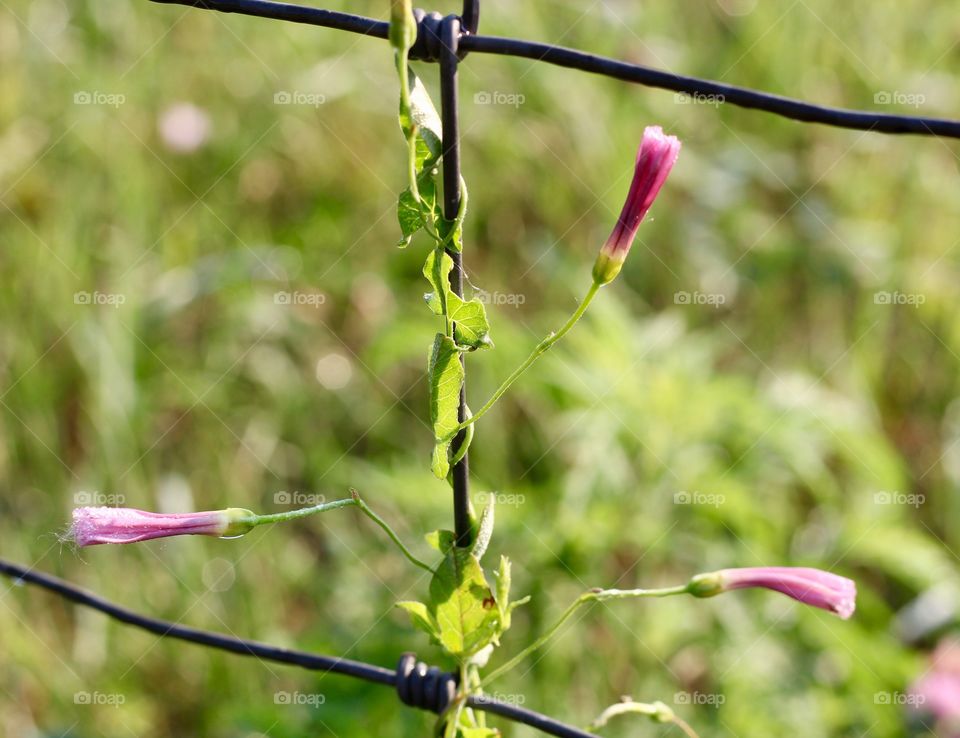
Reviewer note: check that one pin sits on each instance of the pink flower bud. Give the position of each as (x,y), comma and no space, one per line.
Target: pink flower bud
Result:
(656,158)
(809,586)
(94,525)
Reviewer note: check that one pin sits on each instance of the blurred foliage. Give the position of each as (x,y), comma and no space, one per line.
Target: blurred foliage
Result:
(785,414)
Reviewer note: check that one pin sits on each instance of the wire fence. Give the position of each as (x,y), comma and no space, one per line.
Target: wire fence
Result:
(447,40)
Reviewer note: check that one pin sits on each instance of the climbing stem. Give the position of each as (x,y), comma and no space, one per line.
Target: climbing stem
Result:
(353,501)
(599,595)
(540,349)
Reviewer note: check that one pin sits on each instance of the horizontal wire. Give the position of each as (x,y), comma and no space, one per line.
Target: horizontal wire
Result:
(560,56)
(292,13)
(243,647)
(519,714)
(240,646)
(740,96)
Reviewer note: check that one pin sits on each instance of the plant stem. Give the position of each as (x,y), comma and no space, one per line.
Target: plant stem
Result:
(302,512)
(656,711)
(352,501)
(541,349)
(389,531)
(467,440)
(592,596)
(426,216)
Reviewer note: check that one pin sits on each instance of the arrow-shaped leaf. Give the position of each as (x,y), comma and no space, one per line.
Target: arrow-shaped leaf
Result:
(446,379)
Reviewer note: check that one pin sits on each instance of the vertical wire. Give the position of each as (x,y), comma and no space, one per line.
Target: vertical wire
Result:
(471,15)
(449,107)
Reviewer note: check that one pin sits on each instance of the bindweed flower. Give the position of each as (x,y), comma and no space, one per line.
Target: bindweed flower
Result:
(655,159)
(938,694)
(95,525)
(809,586)
(937,691)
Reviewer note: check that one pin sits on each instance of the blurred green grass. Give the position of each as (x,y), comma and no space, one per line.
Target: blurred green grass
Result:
(796,401)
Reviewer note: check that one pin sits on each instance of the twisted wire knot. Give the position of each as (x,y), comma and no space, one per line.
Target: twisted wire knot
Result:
(429,44)
(424,687)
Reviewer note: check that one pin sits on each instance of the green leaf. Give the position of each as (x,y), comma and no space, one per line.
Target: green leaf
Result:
(409,214)
(440,460)
(427,120)
(424,116)
(484,530)
(446,379)
(478,732)
(422,618)
(471,328)
(437,271)
(445,227)
(461,602)
(441,541)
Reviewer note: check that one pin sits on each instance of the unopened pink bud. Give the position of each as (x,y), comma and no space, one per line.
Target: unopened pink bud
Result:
(809,586)
(655,159)
(95,525)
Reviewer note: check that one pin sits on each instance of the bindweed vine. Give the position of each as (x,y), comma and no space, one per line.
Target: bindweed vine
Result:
(98,525)
(469,605)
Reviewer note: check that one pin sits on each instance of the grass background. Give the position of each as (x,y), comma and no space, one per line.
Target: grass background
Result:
(796,402)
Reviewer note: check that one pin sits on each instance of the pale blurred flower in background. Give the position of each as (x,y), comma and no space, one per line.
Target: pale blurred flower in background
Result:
(184,127)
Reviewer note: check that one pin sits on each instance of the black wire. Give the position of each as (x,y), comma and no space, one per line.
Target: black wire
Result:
(292,13)
(527,717)
(739,96)
(470,17)
(560,56)
(347,667)
(449,107)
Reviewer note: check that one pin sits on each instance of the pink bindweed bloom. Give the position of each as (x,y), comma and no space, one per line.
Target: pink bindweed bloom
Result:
(809,586)
(655,159)
(94,525)
(938,694)
(937,691)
